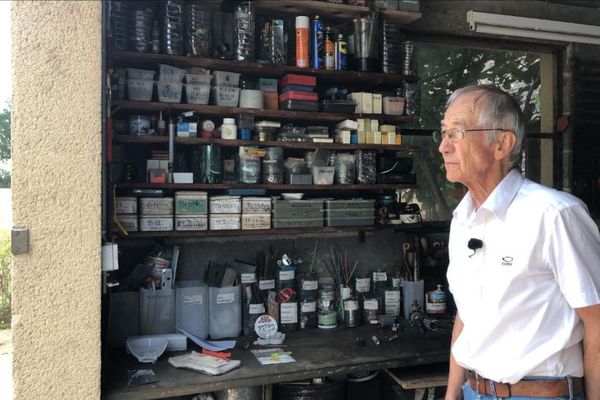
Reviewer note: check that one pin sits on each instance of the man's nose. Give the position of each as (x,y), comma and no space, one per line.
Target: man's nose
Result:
(445,145)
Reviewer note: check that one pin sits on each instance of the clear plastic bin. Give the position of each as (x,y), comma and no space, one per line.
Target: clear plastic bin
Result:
(225,96)
(169,92)
(157,311)
(323,175)
(225,78)
(141,74)
(191,308)
(225,310)
(198,79)
(168,73)
(197,93)
(140,90)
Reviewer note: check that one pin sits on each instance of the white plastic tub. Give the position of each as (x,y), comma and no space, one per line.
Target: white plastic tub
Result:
(168,73)
(142,74)
(169,92)
(323,175)
(197,93)
(140,90)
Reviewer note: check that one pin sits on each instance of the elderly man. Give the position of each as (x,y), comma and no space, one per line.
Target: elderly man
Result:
(524,265)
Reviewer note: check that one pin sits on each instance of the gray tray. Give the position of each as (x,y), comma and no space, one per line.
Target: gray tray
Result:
(351,213)
(349,221)
(339,204)
(297,223)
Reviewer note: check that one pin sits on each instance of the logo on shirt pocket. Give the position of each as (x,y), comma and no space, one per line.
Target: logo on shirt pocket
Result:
(507,261)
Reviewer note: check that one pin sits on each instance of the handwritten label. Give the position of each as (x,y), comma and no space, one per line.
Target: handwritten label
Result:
(310,285)
(379,276)
(266,284)
(289,313)
(309,307)
(254,309)
(225,298)
(193,299)
(287,275)
(371,304)
(363,285)
(248,278)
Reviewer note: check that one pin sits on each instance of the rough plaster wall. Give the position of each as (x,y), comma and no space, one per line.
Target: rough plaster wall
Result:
(56,186)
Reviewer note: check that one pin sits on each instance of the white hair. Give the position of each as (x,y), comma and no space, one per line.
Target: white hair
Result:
(494,108)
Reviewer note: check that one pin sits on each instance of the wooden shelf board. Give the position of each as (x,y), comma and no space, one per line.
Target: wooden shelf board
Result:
(207,110)
(352,78)
(274,143)
(266,186)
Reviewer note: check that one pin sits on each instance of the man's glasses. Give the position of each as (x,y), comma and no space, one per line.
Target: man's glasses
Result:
(455,135)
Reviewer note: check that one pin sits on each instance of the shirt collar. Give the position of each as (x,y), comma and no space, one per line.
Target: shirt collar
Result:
(498,200)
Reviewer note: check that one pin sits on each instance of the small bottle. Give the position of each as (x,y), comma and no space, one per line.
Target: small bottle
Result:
(341,52)
(317,38)
(162,125)
(329,49)
(155,38)
(229,129)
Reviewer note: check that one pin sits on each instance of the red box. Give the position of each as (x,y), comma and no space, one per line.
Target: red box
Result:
(296,95)
(157,176)
(295,79)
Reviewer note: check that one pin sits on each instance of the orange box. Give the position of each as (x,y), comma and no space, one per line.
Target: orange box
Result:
(270,100)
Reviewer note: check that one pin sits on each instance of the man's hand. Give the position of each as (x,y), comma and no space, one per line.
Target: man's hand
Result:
(591,350)
(456,376)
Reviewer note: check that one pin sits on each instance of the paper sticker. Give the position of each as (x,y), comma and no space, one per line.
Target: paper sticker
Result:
(379,276)
(287,275)
(363,285)
(267,284)
(256,309)
(371,305)
(289,313)
(224,298)
(310,285)
(248,278)
(193,299)
(309,307)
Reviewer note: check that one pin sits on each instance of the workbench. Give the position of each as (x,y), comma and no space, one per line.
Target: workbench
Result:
(317,352)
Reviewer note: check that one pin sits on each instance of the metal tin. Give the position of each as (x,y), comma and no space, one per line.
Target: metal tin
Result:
(129,222)
(156,206)
(225,205)
(191,223)
(191,203)
(126,205)
(158,223)
(317,42)
(436,301)
(256,221)
(256,205)
(352,317)
(224,221)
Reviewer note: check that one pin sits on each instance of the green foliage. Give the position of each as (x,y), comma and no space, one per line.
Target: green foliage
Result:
(444,69)
(5,293)
(5,134)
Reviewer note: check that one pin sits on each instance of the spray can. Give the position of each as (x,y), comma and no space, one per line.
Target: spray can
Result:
(302,44)
(329,49)
(341,52)
(317,39)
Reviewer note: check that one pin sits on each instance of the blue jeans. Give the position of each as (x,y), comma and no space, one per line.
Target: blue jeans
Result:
(470,394)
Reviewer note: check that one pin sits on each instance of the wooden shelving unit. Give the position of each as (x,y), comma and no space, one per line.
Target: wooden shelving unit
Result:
(266,186)
(270,143)
(352,78)
(220,111)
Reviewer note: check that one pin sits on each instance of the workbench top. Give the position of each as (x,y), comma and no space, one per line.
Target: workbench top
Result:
(317,352)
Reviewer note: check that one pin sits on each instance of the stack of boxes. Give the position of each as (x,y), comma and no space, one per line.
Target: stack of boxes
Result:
(225,212)
(256,213)
(297,213)
(126,209)
(191,211)
(297,93)
(156,214)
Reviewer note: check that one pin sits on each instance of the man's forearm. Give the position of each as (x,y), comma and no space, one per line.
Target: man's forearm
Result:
(456,376)
(591,350)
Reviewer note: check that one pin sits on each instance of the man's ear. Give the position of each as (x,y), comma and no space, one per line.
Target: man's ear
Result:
(505,142)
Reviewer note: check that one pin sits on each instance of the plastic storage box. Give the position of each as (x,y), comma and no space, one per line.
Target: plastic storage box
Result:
(225,78)
(197,93)
(169,92)
(198,79)
(225,311)
(140,90)
(225,96)
(191,308)
(323,175)
(168,73)
(142,74)
(157,311)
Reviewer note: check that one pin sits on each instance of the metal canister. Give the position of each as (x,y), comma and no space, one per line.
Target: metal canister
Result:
(352,317)
(317,41)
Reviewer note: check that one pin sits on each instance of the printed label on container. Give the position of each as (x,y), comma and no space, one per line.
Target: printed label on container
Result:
(379,276)
(248,278)
(310,285)
(371,305)
(350,305)
(254,309)
(309,307)
(396,283)
(287,275)
(288,313)
(225,298)
(363,285)
(266,284)
(346,292)
(193,299)
(392,296)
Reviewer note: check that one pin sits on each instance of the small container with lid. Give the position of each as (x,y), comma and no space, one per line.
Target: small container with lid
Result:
(229,129)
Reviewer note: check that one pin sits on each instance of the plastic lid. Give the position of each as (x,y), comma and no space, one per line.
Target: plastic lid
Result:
(302,22)
(229,121)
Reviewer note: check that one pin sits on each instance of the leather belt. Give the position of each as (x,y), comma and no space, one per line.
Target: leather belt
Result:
(526,388)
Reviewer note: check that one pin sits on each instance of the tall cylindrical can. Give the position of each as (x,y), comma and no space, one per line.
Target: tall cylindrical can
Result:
(341,52)
(317,40)
(329,49)
(302,43)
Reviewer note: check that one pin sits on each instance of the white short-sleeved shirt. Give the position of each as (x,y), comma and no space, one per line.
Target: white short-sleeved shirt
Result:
(516,295)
